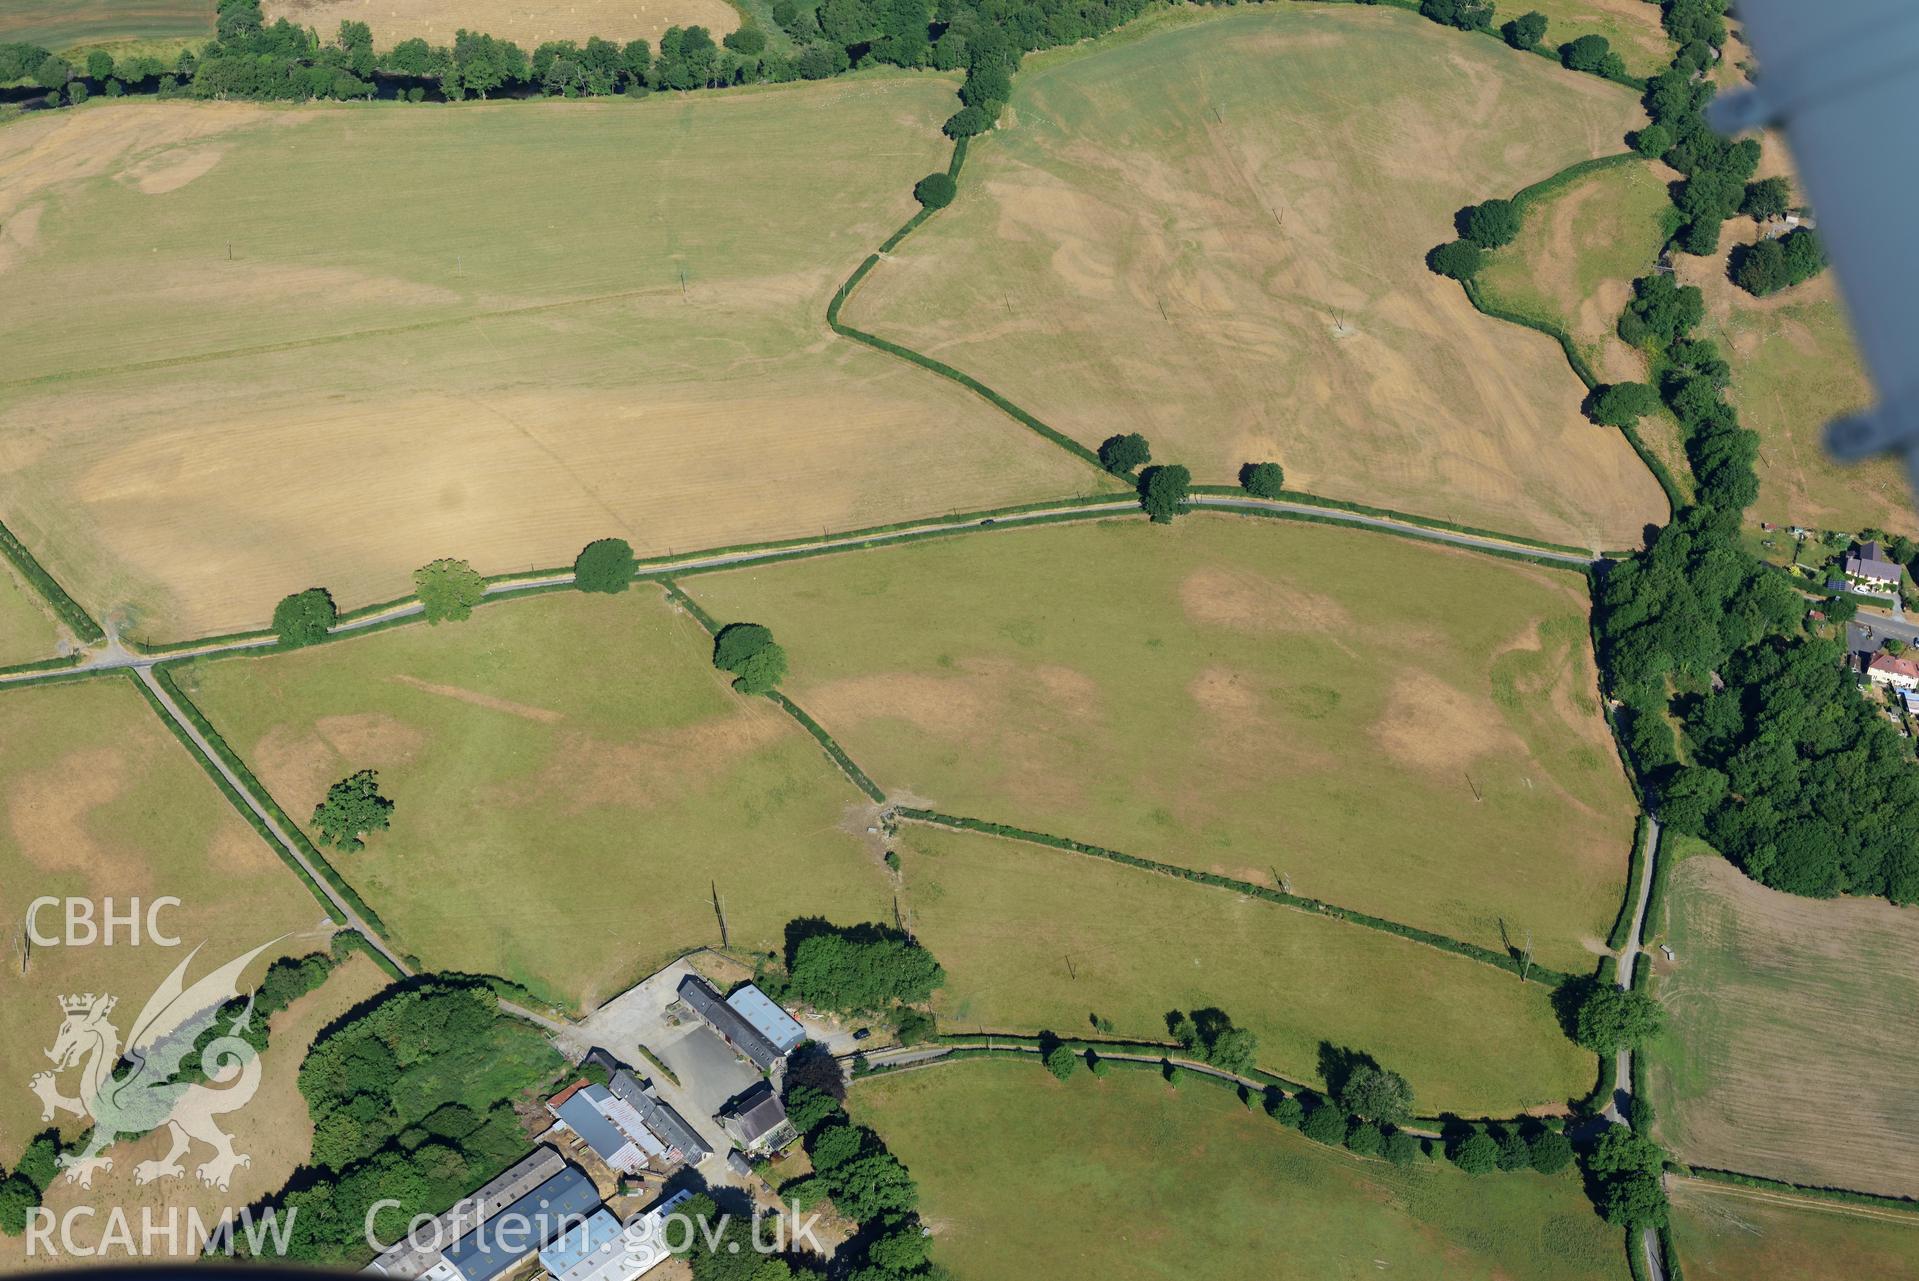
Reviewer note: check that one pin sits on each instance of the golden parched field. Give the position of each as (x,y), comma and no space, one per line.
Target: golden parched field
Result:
(414,351)
(436,21)
(97,799)
(1726,1233)
(1395,727)
(62,25)
(572,783)
(1038,939)
(1790,1031)
(1212,230)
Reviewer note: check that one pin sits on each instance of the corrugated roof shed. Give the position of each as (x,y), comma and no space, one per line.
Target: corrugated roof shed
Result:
(581,1112)
(669,1125)
(579,1241)
(727,1021)
(766,1016)
(405,1262)
(524,1226)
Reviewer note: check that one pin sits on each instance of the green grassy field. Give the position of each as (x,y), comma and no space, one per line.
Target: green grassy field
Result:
(1735,1234)
(1790,1022)
(572,782)
(1123,1178)
(650,360)
(27,627)
(1212,230)
(62,25)
(1036,939)
(100,801)
(1391,726)
(1631,26)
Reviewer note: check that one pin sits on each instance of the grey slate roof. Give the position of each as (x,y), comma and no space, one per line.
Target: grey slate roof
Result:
(729,1023)
(667,1124)
(1870,562)
(585,1120)
(523,1227)
(754,1114)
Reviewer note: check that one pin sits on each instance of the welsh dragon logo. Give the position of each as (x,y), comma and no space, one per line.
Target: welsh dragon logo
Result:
(136,1089)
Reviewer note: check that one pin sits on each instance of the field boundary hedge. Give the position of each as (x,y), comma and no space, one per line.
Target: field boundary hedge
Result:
(331,874)
(1387,513)
(233,798)
(1811,1191)
(59,664)
(834,752)
(1314,518)
(1635,867)
(1540,974)
(64,606)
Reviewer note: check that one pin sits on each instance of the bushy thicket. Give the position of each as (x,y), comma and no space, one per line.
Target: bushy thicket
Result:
(854,1170)
(852,967)
(410,1101)
(1772,265)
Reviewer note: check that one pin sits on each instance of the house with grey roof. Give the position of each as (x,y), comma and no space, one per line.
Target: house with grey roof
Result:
(1868,570)
(732,1026)
(755,1119)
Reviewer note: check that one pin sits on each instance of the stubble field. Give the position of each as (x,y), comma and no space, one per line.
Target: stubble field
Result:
(573,786)
(100,801)
(61,25)
(1736,1234)
(1123,1178)
(27,629)
(1394,727)
(436,21)
(1036,939)
(455,366)
(1212,230)
(1790,1024)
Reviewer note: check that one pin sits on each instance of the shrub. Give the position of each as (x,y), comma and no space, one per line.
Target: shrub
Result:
(1653,141)
(1287,1110)
(1365,1139)
(1401,1148)
(1172,1071)
(1061,1060)
(913,1027)
(936,190)
(604,565)
(1767,198)
(1551,1152)
(1772,265)
(1374,1093)
(1623,404)
(1514,1152)
(750,41)
(1325,1124)
(1476,1154)
(1587,53)
(1492,223)
(1095,1064)
(1459,259)
(1262,480)
(1525,31)
(1609,1018)
(305,617)
(1120,454)
(1467,15)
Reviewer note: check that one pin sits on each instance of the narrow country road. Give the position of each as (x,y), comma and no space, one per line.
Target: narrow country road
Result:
(1622,1081)
(112,654)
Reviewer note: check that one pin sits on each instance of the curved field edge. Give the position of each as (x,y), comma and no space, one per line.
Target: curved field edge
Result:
(1102,282)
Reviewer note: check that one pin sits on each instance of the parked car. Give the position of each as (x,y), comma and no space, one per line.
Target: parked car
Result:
(862,1034)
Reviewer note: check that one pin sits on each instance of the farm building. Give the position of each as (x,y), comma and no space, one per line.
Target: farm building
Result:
(682,1142)
(733,1027)
(506,1239)
(603,1249)
(610,1126)
(408,1261)
(781,1029)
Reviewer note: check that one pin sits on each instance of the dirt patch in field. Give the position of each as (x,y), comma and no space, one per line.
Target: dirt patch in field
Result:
(1431,725)
(298,767)
(543,715)
(47,813)
(171,170)
(651,768)
(1250,602)
(946,706)
(1224,693)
